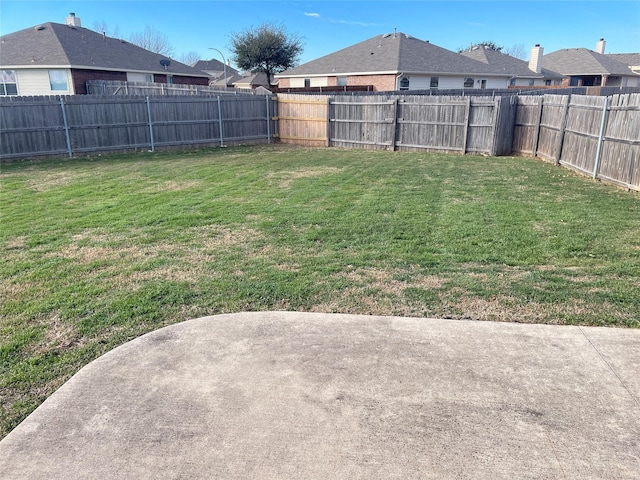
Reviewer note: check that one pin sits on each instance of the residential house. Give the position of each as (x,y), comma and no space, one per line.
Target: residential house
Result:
(631,60)
(396,61)
(58,59)
(523,74)
(252,81)
(584,67)
(218,72)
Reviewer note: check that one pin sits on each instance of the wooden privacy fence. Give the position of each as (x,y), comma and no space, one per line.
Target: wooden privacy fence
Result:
(34,126)
(598,136)
(398,122)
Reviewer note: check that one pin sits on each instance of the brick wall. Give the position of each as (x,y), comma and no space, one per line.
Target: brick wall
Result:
(381,83)
(81,76)
(181,80)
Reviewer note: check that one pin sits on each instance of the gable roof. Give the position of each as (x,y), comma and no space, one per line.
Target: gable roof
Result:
(582,61)
(58,45)
(393,53)
(507,63)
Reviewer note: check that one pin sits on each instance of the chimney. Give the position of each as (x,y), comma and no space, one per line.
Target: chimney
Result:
(600,46)
(72,20)
(535,60)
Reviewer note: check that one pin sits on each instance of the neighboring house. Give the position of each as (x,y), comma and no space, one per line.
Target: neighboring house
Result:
(58,59)
(252,80)
(632,60)
(216,70)
(523,74)
(584,67)
(396,61)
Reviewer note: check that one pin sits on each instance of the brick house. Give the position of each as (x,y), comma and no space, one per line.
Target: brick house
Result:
(58,59)
(583,67)
(398,61)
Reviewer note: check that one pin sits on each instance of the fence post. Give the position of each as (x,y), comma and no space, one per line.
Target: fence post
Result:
(220,122)
(266,98)
(563,124)
(395,125)
(467,117)
(66,127)
(603,126)
(153,145)
(327,142)
(536,136)
(493,147)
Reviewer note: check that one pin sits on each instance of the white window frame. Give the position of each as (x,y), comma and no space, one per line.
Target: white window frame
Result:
(8,78)
(56,84)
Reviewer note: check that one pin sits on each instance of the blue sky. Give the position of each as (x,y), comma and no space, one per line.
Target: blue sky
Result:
(327,26)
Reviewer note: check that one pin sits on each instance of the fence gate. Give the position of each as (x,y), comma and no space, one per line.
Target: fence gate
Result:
(302,119)
(368,122)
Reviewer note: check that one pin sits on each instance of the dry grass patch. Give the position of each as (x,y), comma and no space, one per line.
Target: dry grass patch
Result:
(172,186)
(284,179)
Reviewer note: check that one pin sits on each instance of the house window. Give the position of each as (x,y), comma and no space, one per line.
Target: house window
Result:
(532,82)
(547,83)
(468,82)
(58,80)
(512,81)
(342,81)
(483,83)
(8,84)
(404,83)
(170,79)
(307,82)
(434,82)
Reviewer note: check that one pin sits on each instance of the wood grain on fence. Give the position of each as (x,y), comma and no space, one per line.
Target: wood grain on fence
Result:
(34,126)
(597,136)
(302,119)
(580,144)
(620,156)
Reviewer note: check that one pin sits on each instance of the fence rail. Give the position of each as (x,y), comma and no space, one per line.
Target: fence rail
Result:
(597,136)
(398,122)
(41,126)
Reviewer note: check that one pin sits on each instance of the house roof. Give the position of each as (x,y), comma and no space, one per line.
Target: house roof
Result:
(507,63)
(629,59)
(58,45)
(252,79)
(213,65)
(582,61)
(393,53)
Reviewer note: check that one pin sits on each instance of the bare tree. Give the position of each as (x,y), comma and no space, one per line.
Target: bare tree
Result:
(152,40)
(517,51)
(189,58)
(102,27)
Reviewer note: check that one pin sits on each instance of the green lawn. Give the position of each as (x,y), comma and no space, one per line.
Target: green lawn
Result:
(97,251)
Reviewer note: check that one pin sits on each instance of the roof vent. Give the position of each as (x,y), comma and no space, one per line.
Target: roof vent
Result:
(39,27)
(386,35)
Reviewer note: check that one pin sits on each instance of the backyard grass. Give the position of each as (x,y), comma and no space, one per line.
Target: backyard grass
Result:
(97,251)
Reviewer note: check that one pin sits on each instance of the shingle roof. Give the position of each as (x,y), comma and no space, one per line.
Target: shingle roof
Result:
(507,63)
(213,65)
(582,61)
(55,44)
(393,53)
(629,59)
